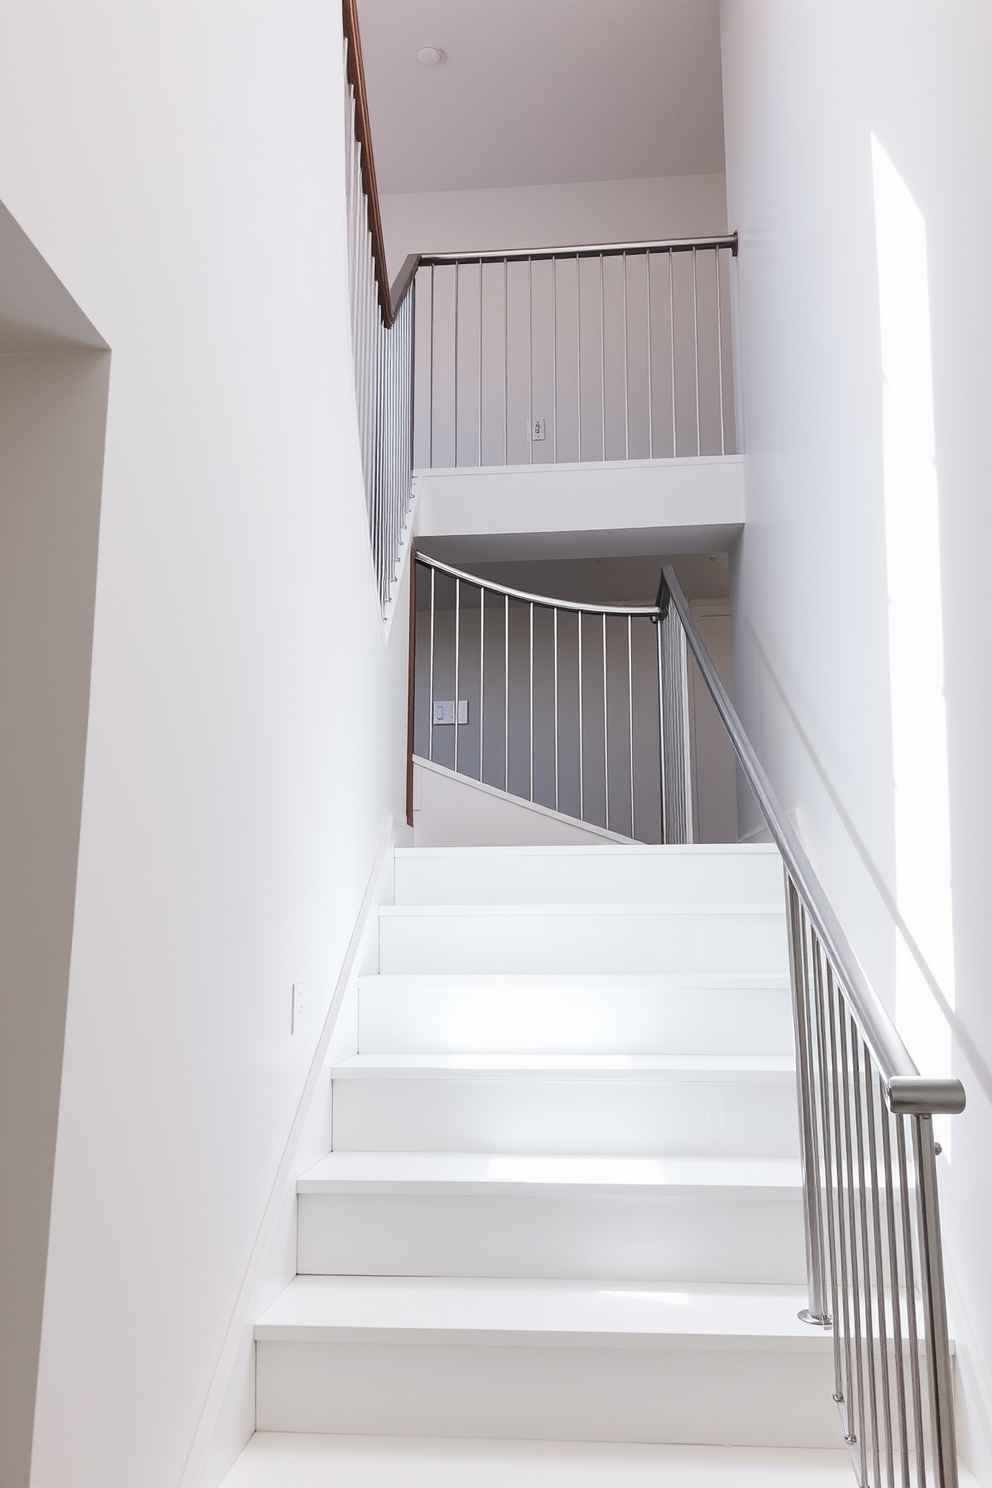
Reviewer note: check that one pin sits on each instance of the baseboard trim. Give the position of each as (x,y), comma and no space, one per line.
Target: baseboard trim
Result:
(241,1317)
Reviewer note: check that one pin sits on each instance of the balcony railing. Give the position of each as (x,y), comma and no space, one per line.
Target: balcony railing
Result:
(609,352)
(382,338)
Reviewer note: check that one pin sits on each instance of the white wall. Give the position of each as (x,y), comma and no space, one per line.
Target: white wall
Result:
(181,169)
(554,215)
(860,608)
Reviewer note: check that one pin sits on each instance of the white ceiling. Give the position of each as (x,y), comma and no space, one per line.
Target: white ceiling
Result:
(536,92)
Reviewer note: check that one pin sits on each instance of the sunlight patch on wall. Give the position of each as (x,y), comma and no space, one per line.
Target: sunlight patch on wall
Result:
(916,643)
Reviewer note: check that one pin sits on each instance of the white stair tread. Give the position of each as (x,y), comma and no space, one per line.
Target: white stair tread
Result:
(470,1172)
(631,850)
(523,981)
(580,910)
(339,1309)
(696,1067)
(279,1459)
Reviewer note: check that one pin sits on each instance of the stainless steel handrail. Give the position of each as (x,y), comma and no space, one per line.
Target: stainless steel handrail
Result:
(908,1091)
(874,1261)
(870,1194)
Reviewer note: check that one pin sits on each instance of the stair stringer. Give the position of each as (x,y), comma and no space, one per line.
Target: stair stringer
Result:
(453,810)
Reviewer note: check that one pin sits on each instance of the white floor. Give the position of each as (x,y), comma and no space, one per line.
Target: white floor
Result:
(284,1460)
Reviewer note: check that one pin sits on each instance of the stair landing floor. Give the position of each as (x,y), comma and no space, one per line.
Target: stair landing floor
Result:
(286,1460)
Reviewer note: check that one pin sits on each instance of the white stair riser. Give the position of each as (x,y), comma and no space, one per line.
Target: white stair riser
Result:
(600,875)
(742,1396)
(712,1237)
(616,942)
(579,1115)
(414,1017)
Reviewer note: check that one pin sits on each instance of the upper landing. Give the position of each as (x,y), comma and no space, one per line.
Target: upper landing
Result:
(611,508)
(576,403)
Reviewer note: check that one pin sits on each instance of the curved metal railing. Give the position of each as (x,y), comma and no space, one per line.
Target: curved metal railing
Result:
(582,708)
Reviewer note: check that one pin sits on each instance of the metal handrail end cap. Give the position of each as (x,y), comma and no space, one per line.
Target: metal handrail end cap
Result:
(919,1095)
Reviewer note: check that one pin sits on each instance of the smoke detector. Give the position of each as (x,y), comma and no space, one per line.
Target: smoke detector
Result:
(430,55)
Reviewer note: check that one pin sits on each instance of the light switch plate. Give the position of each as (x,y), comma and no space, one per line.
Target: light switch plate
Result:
(299,988)
(444,711)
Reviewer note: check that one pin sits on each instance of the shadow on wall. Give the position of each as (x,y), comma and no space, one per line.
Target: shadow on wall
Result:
(54,372)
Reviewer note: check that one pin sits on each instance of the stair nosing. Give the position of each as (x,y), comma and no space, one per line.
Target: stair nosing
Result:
(701,1177)
(668,1329)
(646,1067)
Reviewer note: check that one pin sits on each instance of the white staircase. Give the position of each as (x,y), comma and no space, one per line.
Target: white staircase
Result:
(563,1203)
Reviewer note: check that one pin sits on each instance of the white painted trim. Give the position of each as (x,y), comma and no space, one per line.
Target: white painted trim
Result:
(545,811)
(241,1314)
(402,563)
(690,462)
(575,509)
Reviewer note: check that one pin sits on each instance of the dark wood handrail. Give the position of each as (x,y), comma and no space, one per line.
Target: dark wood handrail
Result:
(391,297)
(582,250)
(389,300)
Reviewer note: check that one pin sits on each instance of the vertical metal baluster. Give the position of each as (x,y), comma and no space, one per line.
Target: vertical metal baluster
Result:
(430,432)
(458,596)
(430,716)
(454,457)
(606,733)
(934,1305)
(880,1308)
(855,1420)
(911,1329)
(602,346)
(506,692)
(671,309)
(630,714)
(481,274)
(662,777)
(555,614)
(506,361)
(554,360)
(826,1143)
(578,358)
(894,1284)
(626,369)
(695,344)
(719,348)
(530,365)
(650,334)
(532,700)
(842,1317)
(482,675)
(796,924)
(866,1250)
(582,799)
